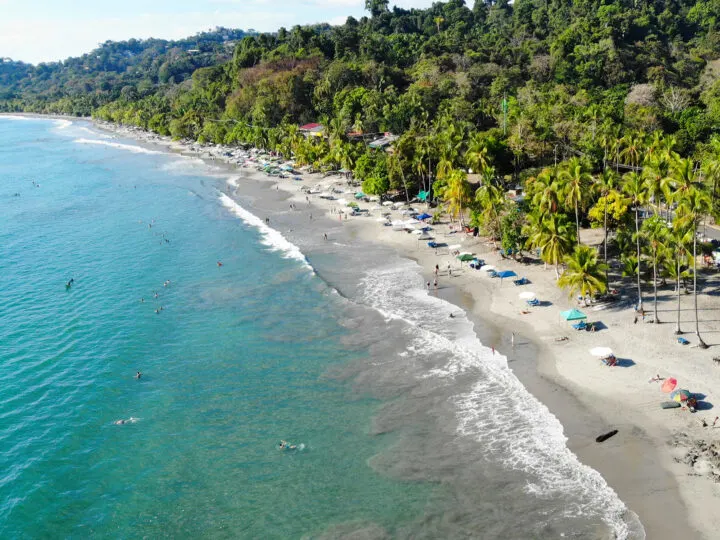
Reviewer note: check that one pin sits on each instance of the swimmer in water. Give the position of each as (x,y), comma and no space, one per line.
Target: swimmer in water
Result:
(130,420)
(219,263)
(138,375)
(284,445)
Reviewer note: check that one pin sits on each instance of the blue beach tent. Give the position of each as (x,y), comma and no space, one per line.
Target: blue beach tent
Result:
(506,273)
(423,216)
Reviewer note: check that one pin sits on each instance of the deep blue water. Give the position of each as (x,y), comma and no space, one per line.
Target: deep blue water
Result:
(236,360)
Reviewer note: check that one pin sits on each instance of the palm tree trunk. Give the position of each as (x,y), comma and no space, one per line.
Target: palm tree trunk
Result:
(657,321)
(678,331)
(577,223)
(637,242)
(607,270)
(701,343)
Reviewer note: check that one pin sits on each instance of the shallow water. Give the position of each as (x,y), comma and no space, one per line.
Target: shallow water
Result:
(412,428)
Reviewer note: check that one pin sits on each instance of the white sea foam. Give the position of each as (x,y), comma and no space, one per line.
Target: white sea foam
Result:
(63,124)
(120,146)
(270,237)
(17,117)
(183,165)
(519,430)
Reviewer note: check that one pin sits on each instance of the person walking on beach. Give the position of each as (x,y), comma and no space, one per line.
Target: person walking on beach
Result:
(325,236)
(449,270)
(437,269)
(428,285)
(435,284)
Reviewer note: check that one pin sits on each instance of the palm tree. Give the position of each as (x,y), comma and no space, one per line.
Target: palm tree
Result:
(584,273)
(697,204)
(438,21)
(678,242)
(456,193)
(633,148)
(656,231)
(491,198)
(476,156)
(605,184)
(711,172)
(657,177)
(575,182)
(553,235)
(635,188)
(545,191)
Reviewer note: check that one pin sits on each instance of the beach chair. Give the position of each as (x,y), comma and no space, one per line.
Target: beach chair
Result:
(521,281)
(533,302)
(582,325)
(683,341)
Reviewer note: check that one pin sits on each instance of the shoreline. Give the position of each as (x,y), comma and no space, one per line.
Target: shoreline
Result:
(563,373)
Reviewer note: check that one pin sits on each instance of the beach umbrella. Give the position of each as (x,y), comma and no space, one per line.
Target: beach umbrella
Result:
(454,247)
(669,385)
(342,202)
(601,352)
(423,195)
(506,273)
(487,268)
(573,315)
(466,257)
(527,295)
(381,219)
(359,195)
(680,395)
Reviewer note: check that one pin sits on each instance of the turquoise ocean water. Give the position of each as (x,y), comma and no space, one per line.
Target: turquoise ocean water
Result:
(236,360)
(410,427)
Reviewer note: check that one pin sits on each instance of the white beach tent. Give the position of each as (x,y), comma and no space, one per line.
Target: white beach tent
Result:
(527,295)
(487,268)
(601,352)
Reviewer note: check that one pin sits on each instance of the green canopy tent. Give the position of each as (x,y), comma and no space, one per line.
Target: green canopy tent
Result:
(573,315)
(466,257)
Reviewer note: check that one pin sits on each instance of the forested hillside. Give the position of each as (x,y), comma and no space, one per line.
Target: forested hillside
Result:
(115,70)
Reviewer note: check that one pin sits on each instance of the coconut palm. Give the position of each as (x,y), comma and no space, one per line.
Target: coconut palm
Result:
(605,184)
(553,235)
(633,148)
(491,198)
(634,187)
(456,193)
(575,181)
(656,174)
(545,191)
(584,274)
(693,207)
(678,242)
(476,156)
(656,231)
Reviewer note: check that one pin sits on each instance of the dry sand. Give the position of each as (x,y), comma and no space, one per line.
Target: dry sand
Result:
(657,463)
